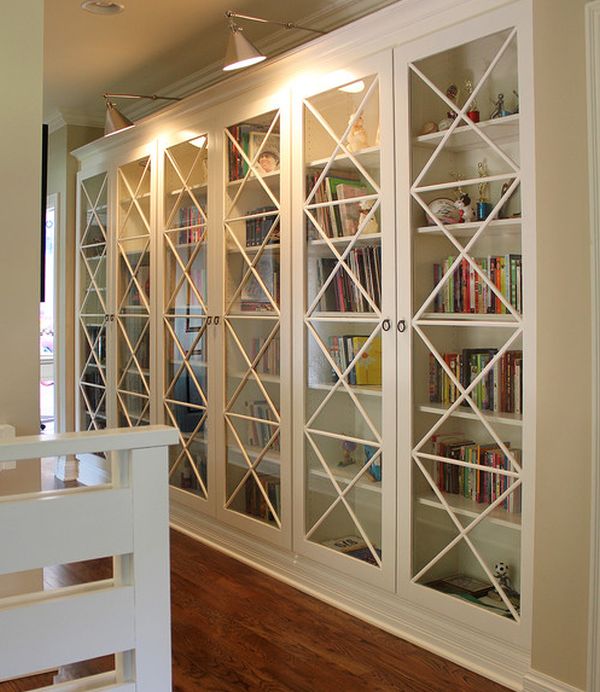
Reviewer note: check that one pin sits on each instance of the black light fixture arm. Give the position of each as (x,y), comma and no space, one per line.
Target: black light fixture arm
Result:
(286,25)
(152,97)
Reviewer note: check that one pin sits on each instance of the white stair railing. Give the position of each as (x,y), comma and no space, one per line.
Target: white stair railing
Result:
(128,615)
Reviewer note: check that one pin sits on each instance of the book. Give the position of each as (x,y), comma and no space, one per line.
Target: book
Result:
(345,544)
(368,366)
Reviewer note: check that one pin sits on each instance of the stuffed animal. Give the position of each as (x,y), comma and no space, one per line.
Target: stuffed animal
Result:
(463,204)
(357,137)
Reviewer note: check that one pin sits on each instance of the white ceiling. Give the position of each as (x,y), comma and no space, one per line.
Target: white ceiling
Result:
(169,47)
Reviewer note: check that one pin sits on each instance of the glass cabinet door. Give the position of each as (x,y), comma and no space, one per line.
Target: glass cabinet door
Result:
(133,293)
(347,323)
(185,318)
(251,329)
(93,263)
(468,323)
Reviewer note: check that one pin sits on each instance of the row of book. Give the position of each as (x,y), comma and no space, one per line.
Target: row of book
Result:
(343,294)
(500,390)
(259,433)
(339,218)
(481,486)
(193,225)
(259,227)
(253,297)
(367,370)
(269,362)
(465,290)
(256,504)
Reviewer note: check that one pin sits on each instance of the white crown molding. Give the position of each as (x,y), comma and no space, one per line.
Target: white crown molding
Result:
(538,682)
(72,116)
(592,17)
(56,122)
(338,13)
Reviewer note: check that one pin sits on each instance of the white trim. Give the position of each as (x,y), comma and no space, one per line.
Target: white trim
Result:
(487,655)
(67,468)
(538,682)
(59,313)
(592,16)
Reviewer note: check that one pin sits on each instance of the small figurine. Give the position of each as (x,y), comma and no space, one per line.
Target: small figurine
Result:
(501,572)
(357,137)
(463,204)
(473,112)
(499,110)
(372,226)
(347,448)
(483,204)
(428,128)
(268,161)
(452,94)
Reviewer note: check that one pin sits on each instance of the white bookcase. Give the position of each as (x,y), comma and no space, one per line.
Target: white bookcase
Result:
(286,276)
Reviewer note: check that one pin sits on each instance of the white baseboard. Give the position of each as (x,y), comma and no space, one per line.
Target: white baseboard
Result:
(538,682)
(486,655)
(93,470)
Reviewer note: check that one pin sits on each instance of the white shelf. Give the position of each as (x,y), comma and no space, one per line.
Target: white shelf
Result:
(272,456)
(363,389)
(466,507)
(263,377)
(369,158)
(345,474)
(273,176)
(253,249)
(504,226)
(343,317)
(514,419)
(477,317)
(364,239)
(499,130)
(191,188)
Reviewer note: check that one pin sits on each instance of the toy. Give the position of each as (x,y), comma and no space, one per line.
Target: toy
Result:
(499,110)
(347,448)
(463,204)
(357,137)
(501,572)
(268,161)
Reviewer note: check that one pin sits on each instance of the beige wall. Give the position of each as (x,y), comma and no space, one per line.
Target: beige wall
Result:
(564,352)
(62,180)
(21,56)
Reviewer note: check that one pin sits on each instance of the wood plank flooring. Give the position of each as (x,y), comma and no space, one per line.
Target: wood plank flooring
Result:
(235,628)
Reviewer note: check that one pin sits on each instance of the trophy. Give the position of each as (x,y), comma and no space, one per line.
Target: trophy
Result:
(473,112)
(483,207)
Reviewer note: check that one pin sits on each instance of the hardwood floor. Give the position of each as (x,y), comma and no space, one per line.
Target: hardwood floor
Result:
(237,629)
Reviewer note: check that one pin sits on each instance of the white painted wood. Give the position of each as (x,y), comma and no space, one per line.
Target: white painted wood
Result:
(104,681)
(67,468)
(89,524)
(592,18)
(59,630)
(538,682)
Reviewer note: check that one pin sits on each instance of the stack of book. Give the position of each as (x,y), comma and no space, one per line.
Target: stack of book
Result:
(354,546)
(260,433)
(342,294)
(338,219)
(256,505)
(465,290)
(501,390)
(367,370)
(193,225)
(269,362)
(481,486)
(259,227)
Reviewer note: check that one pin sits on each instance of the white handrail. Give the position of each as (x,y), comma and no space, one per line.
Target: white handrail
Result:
(128,615)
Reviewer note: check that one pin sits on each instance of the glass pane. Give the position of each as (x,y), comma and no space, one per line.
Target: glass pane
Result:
(251,237)
(185,242)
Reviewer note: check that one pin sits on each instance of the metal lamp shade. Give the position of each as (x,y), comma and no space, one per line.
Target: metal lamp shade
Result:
(115,120)
(240,52)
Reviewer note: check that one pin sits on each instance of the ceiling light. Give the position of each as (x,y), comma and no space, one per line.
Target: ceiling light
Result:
(240,52)
(353,87)
(115,120)
(102,6)
(199,142)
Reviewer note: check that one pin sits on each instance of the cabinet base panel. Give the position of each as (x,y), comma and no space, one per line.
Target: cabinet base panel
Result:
(474,650)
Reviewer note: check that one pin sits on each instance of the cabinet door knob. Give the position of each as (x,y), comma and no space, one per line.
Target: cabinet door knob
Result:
(386,325)
(401,326)
(208,320)
(217,319)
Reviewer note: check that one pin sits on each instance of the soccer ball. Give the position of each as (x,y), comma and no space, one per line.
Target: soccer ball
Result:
(501,570)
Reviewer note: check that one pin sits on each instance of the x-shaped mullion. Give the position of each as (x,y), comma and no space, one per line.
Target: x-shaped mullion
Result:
(133,350)
(252,266)
(251,369)
(93,209)
(342,497)
(185,275)
(138,416)
(252,465)
(185,453)
(464,254)
(342,377)
(342,263)
(252,165)
(93,354)
(185,360)
(462,113)
(185,188)
(134,275)
(92,412)
(340,142)
(464,393)
(134,199)
(92,276)
(463,533)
